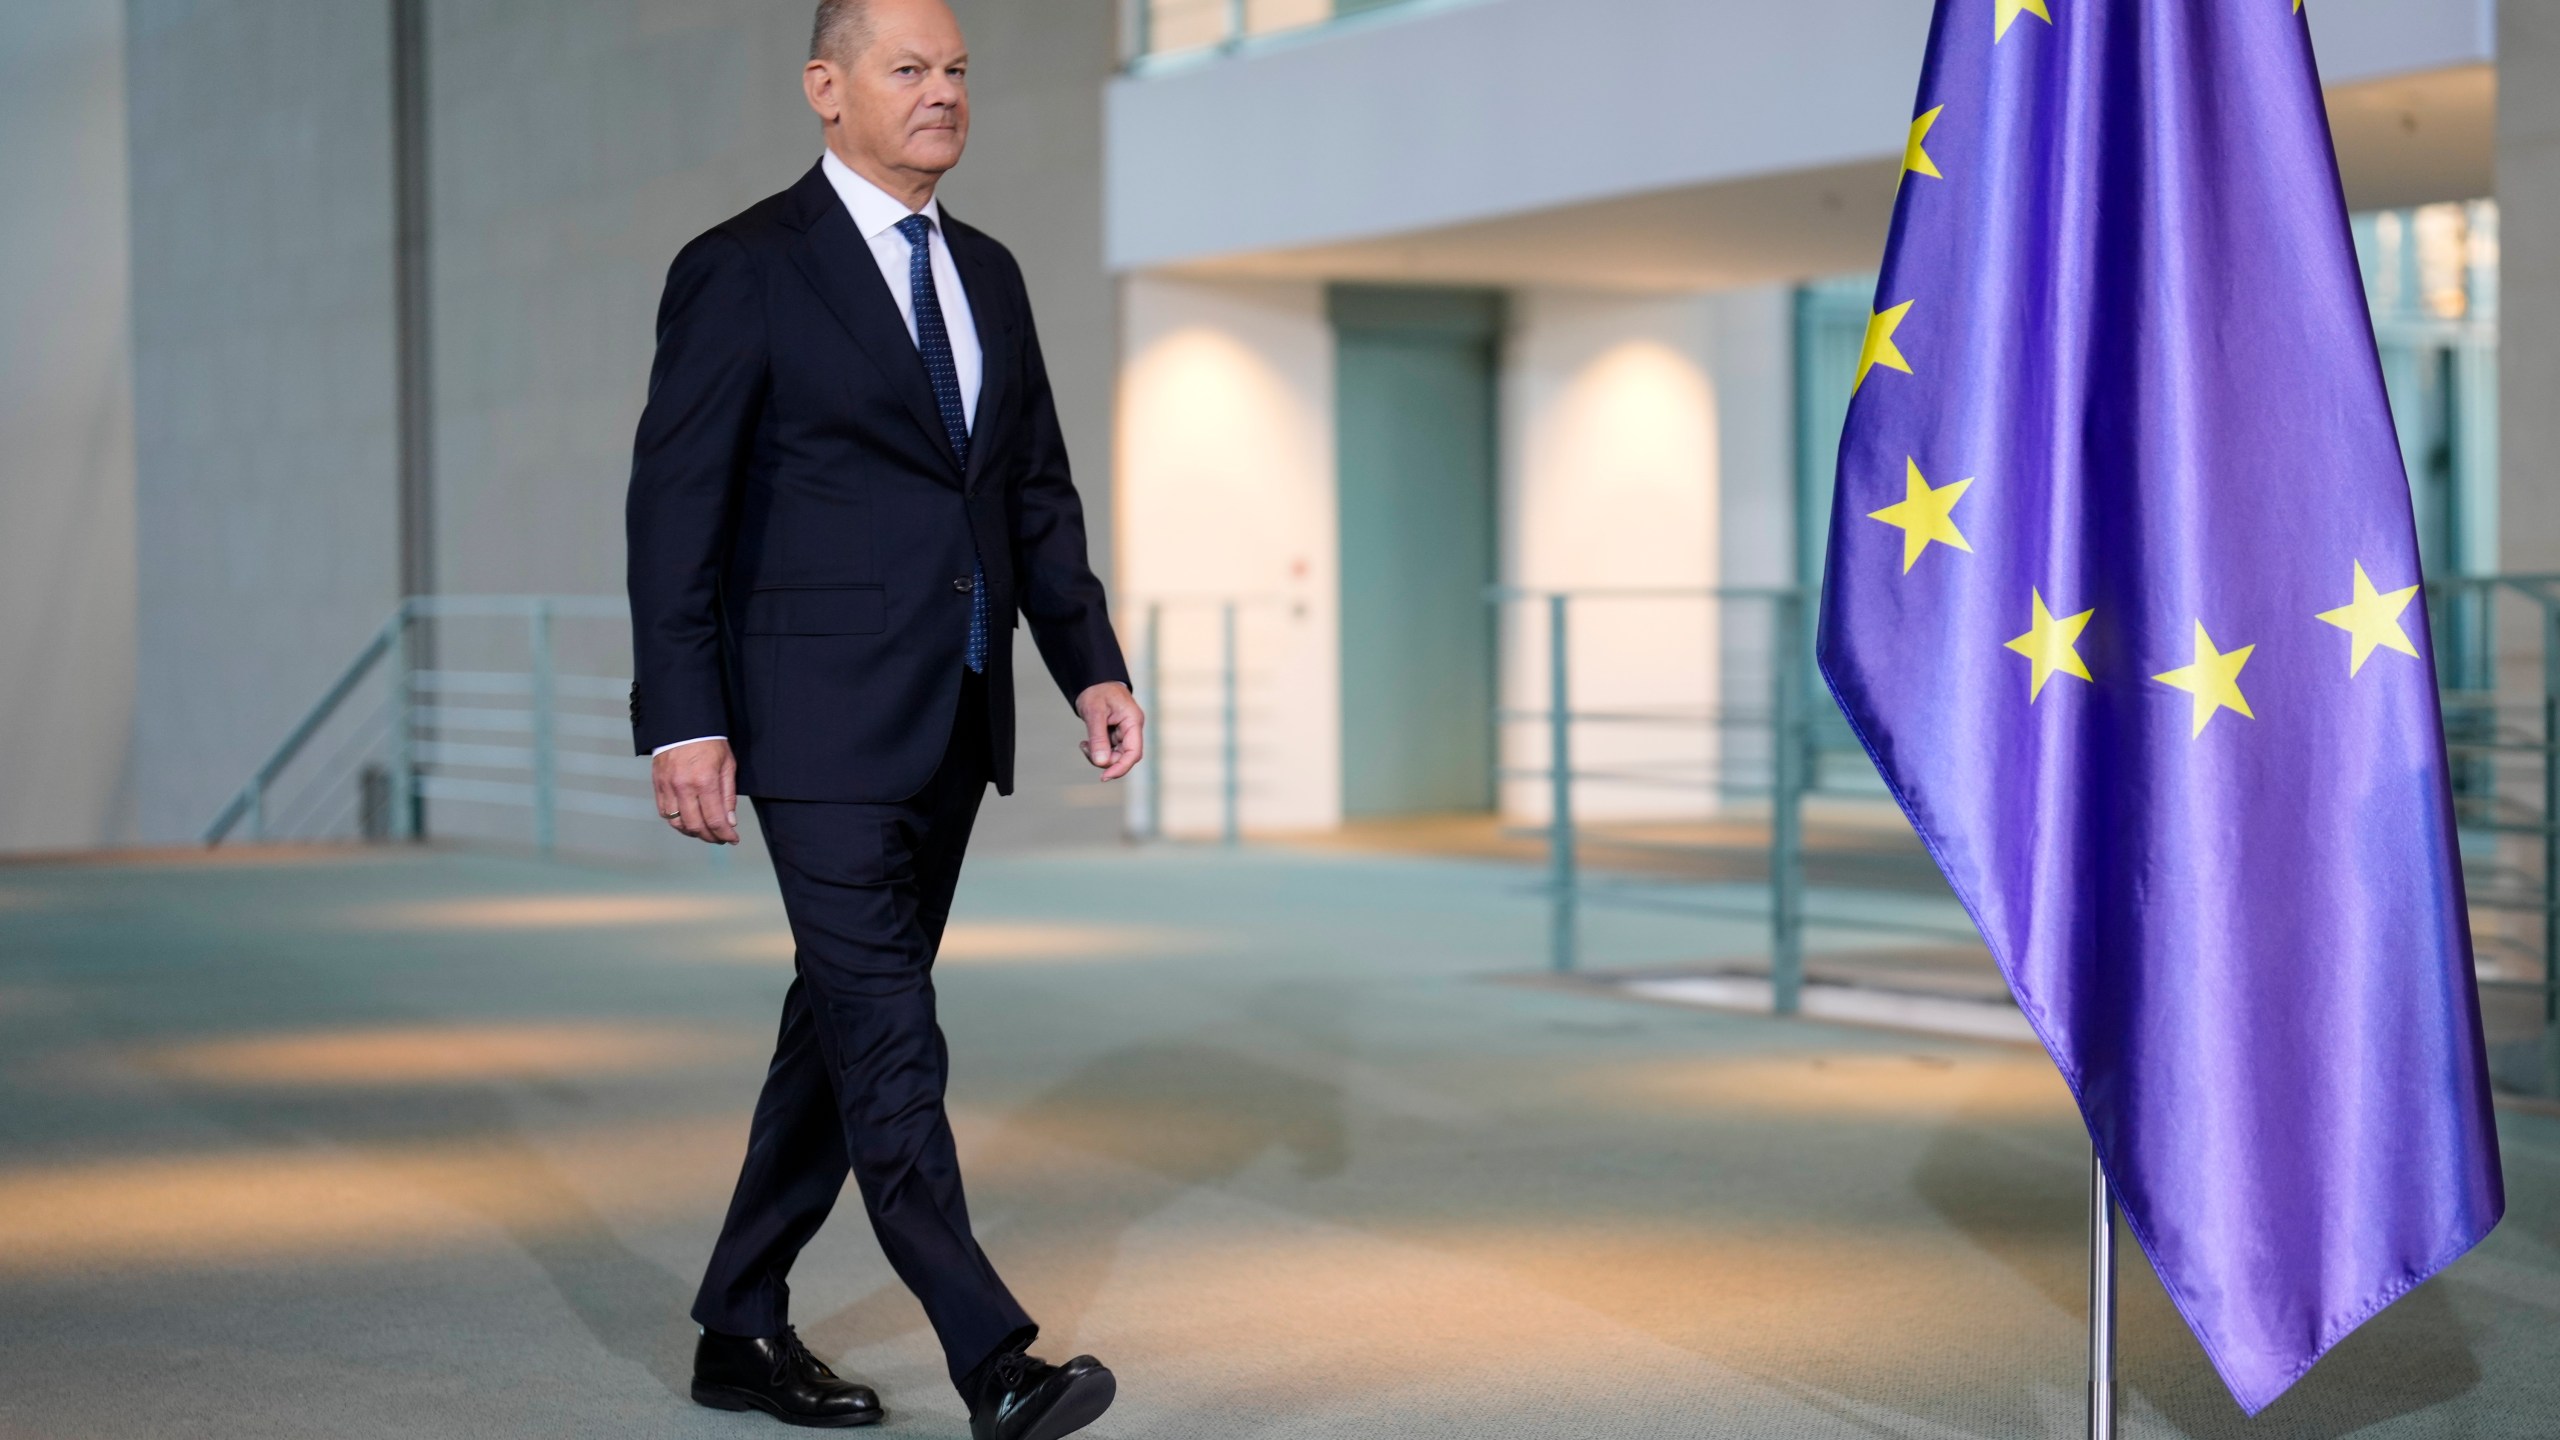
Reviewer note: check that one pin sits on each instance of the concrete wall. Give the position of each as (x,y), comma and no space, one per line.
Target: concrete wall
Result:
(575,146)
(66,427)
(2529,286)
(579,143)
(262,280)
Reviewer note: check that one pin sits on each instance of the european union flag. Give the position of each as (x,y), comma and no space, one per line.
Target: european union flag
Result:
(2122,598)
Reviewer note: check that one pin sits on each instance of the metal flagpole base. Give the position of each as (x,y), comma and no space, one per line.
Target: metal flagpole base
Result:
(2102,1304)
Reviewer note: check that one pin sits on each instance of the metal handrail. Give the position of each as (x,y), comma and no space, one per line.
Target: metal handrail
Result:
(422,698)
(2496,735)
(1153,685)
(250,802)
(1784,716)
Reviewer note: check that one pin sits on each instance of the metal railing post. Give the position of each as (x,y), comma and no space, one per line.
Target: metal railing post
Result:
(1237,23)
(2550,846)
(1562,878)
(1231,819)
(1153,676)
(408,818)
(546,781)
(258,809)
(1786,807)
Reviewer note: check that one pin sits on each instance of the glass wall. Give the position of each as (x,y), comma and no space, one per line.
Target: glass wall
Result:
(2431,275)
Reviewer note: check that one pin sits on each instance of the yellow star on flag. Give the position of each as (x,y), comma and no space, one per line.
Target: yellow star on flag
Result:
(1924,515)
(2374,620)
(2049,646)
(2010,10)
(1878,348)
(2214,679)
(1916,161)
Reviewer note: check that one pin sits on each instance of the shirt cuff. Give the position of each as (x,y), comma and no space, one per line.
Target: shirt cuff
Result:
(696,740)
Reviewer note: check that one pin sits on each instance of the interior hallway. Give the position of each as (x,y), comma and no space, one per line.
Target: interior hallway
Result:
(365,1144)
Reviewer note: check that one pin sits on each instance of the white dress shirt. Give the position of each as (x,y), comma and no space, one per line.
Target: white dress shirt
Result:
(876,214)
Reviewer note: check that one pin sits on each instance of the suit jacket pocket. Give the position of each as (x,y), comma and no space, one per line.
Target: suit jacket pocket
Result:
(817,610)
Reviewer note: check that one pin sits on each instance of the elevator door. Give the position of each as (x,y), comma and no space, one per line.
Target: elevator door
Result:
(1415,416)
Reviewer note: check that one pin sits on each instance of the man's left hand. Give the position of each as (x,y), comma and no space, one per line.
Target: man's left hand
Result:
(1115,728)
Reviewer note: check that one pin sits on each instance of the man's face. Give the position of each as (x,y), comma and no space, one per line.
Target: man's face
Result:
(904,101)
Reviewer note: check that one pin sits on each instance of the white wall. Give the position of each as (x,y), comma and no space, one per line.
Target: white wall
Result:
(1611,451)
(1226,483)
(66,427)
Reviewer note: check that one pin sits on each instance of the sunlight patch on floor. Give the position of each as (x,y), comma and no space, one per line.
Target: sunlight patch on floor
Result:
(357,1203)
(1902,1087)
(996,942)
(438,1054)
(558,912)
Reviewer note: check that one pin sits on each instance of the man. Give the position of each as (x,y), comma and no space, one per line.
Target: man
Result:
(847,483)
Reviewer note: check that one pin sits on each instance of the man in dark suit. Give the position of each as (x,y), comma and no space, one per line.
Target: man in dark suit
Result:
(848,482)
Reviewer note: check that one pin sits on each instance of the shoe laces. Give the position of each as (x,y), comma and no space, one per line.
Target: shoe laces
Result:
(1012,1368)
(796,1354)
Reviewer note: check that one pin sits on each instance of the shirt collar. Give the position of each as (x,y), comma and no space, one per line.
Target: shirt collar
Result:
(875,211)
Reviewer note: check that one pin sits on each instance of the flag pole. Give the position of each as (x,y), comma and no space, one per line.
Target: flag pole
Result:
(2102,1303)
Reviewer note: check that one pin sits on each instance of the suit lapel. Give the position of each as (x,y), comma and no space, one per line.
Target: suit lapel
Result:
(996,338)
(832,255)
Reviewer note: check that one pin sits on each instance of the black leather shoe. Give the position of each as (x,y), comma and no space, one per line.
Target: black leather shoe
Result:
(777,1375)
(1015,1397)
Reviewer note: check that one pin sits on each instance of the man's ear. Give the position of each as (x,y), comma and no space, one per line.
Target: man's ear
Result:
(824,85)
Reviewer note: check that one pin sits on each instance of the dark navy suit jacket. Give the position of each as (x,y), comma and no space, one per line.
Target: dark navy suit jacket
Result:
(800,528)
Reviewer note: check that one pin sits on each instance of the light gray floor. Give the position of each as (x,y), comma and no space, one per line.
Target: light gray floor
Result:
(434,1145)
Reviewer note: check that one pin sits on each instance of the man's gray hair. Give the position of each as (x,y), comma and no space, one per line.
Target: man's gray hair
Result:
(842,31)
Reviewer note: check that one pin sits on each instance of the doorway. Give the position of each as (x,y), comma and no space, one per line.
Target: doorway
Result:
(1415,417)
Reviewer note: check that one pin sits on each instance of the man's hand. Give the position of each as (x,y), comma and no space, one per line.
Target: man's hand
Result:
(1115,728)
(697,787)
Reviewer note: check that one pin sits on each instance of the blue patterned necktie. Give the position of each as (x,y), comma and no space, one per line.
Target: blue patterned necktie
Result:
(933,338)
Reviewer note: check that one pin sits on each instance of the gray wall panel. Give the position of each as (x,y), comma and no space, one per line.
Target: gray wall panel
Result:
(267,531)
(577,144)
(66,427)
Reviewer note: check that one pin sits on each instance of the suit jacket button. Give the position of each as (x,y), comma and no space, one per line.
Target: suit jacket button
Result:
(964,585)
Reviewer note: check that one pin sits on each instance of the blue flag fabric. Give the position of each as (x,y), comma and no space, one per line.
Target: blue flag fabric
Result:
(2121,597)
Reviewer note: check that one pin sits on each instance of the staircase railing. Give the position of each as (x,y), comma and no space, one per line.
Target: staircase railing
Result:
(481,707)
